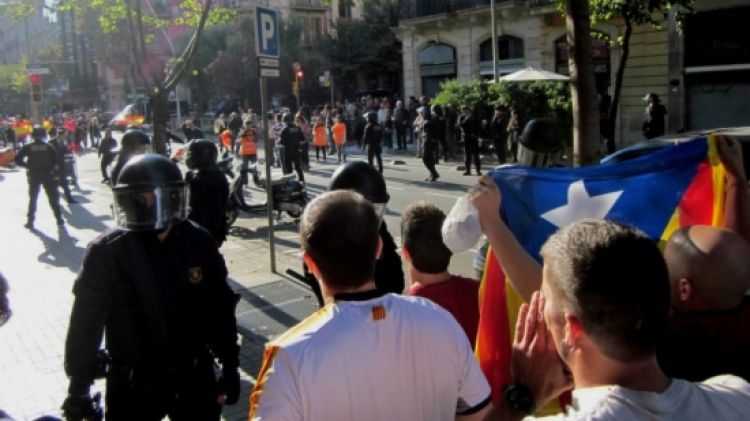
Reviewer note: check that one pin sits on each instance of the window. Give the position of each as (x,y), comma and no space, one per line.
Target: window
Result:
(510,55)
(437,62)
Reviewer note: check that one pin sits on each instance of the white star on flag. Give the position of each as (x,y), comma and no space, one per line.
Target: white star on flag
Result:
(581,206)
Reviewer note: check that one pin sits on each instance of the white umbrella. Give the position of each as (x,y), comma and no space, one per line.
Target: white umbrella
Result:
(529,74)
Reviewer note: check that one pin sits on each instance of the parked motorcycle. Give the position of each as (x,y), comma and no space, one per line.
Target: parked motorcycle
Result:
(289,195)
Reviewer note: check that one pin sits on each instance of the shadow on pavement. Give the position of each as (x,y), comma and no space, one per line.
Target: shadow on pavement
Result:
(60,252)
(80,217)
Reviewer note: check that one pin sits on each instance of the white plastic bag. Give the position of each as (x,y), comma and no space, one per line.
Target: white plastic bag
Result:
(461,229)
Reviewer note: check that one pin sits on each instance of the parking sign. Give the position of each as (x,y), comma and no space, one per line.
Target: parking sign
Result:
(266,32)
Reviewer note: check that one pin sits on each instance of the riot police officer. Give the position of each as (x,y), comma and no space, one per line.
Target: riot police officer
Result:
(470,133)
(209,190)
(438,117)
(291,137)
(62,172)
(429,143)
(156,287)
(365,180)
(41,161)
(538,145)
(133,142)
(499,133)
(372,140)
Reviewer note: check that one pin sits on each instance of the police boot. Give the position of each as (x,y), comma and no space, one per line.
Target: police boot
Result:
(29,224)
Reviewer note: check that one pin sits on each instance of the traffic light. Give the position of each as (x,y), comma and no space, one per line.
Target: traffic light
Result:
(36,87)
(299,74)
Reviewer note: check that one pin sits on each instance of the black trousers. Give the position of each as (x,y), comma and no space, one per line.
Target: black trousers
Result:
(401,136)
(106,160)
(429,158)
(293,160)
(375,153)
(191,396)
(471,150)
(444,149)
(50,188)
(500,149)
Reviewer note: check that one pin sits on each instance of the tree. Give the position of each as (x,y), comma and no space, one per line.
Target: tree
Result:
(633,12)
(582,83)
(139,27)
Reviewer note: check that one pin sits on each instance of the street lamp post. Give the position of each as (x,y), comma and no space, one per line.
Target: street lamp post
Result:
(494,40)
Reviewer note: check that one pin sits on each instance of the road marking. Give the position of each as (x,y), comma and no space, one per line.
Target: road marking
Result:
(443,195)
(395,188)
(288,237)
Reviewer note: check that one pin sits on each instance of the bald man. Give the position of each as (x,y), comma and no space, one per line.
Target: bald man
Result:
(709,270)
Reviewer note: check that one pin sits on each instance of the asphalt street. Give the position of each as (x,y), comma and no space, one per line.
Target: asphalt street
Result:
(42,264)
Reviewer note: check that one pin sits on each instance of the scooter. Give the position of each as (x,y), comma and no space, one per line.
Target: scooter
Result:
(289,195)
(7,157)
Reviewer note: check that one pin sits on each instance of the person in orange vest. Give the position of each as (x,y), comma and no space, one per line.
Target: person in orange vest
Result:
(339,137)
(319,138)
(225,138)
(248,149)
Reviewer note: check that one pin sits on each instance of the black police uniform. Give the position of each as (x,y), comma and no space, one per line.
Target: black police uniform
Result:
(166,310)
(107,154)
(440,136)
(209,195)
(41,161)
(499,135)
(372,139)
(389,274)
(469,131)
(291,137)
(62,170)
(430,147)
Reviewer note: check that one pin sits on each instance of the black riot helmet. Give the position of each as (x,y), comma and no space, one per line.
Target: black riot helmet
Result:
(365,180)
(372,117)
(539,145)
(201,154)
(288,118)
(150,194)
(38,132)
(131,140)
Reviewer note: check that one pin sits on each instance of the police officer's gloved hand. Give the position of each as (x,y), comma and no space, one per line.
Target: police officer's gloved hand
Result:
(82,407)
(229,384)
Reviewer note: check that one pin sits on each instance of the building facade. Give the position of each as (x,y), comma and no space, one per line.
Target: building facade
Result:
(690,70)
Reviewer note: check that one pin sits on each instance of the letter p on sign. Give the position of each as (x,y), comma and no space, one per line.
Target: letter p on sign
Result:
(266,32)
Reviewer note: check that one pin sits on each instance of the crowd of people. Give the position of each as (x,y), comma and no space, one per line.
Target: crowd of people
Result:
(633,332)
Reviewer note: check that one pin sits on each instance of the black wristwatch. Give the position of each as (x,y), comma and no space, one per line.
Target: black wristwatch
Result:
(518,396)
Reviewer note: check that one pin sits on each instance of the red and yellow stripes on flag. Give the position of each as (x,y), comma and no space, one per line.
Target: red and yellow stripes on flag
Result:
(709,181)
(22,128)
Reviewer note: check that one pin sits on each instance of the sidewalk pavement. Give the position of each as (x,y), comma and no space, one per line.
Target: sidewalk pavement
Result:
(41,265)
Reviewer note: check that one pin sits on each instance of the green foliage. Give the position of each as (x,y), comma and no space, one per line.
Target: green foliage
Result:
(539,99)
(638,12)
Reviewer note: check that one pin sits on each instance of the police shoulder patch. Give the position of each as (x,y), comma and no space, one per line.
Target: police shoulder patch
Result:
(195,274)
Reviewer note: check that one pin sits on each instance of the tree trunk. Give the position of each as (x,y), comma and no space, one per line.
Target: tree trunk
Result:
(582,84)
(160,117)
(613,107)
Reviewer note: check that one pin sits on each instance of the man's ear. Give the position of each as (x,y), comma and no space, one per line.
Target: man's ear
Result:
(574,332)
(405,254)
(685,290)
(311,266)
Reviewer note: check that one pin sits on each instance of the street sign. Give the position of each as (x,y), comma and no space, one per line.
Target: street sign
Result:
(37,70)
(267,32)
(268,62)
(269,72)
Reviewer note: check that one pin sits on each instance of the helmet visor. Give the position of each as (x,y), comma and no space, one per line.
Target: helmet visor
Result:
(531,158)
(149,208)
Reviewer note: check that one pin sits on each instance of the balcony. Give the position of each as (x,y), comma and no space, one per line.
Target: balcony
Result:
(423,8)
(308,5)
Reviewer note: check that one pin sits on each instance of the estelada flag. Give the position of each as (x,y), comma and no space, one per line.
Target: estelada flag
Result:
(657,193)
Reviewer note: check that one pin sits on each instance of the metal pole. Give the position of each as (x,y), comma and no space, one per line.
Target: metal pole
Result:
(333,104)
(269,190)
(494,41)
(296,83)
(171,48)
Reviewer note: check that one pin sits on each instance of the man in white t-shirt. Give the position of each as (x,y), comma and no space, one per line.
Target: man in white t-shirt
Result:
(602,309)
(365,355)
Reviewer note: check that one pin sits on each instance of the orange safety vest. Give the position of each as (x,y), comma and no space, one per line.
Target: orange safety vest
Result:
(226,138)
(247,143)
(339,133)
(319,136)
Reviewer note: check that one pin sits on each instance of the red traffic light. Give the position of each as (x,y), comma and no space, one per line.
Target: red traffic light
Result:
(35,79)
(299,74)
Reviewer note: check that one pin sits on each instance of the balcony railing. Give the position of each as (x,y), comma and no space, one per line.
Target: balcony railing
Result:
(422,8)
(308,5)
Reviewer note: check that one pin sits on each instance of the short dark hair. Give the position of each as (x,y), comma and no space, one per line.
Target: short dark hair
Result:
(420,234)
(340,232)
(614,279)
